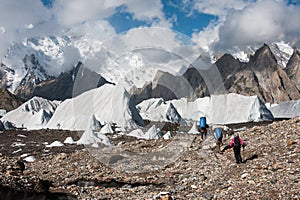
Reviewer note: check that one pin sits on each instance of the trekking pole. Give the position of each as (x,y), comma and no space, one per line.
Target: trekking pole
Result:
(243,154)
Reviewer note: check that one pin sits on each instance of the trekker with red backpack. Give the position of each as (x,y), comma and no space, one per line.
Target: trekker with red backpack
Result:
(236,142)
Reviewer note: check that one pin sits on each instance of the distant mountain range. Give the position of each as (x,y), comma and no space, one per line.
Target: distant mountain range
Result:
(271,72)
(261,76)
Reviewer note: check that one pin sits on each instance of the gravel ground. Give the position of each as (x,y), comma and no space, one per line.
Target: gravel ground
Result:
(271,169)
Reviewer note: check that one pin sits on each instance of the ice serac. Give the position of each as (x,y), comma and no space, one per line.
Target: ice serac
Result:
(92,137)
(219,109)
(153,133)
(138,133)
(33,114)
(194,129)
(106,129)
(109,104)
(288,109)
(235,108)
(192,110)
(2,112)
(167,135)
(159,110)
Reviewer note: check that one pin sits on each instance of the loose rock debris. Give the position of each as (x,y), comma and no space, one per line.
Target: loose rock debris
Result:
(271,169)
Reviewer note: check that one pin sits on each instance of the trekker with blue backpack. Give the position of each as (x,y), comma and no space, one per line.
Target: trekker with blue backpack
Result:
(236,143)
(218,133)
(203,127)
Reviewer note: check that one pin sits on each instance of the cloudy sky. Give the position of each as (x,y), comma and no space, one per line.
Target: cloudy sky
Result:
(215,25)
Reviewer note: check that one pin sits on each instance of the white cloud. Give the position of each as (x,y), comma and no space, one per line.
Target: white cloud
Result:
(265,21)
(151,37)
(208,36)
(145,40)
(71,58)
(73,12)
(69,13)
(97,29)
(219,8)
(14,16)
(145,10)
(246,23)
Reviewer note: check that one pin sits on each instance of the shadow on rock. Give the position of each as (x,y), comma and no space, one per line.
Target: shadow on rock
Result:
(7,193)
(254,156)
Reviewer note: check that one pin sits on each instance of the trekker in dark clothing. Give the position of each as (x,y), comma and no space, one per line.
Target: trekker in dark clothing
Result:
(236,142)
(203,132)
(218,133)
(203,127)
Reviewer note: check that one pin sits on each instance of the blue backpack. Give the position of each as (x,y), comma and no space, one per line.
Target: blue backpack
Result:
(219,134)
(202,122)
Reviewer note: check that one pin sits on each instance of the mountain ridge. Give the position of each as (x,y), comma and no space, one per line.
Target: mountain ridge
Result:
(36,82)
(261,76)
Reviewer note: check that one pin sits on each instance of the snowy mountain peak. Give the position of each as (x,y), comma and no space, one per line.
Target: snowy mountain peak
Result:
(281,50)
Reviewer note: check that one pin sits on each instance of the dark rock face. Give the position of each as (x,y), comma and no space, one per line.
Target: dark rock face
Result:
(193,76)
(273,83)
(228,65)
(293,68)
(59,88)
(37,82)
(69,84)
(164,85)
(261,76)
(9,101)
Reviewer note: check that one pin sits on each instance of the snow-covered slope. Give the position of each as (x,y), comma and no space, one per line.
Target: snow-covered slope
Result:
(288,109)
(282,51)
(57,54)
(109,104)
(33,114)
(48,52)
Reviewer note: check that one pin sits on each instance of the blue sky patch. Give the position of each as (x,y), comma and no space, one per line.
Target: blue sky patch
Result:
(123,21)
(185,19)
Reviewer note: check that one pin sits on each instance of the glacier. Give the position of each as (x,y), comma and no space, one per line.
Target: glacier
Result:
(108,104)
